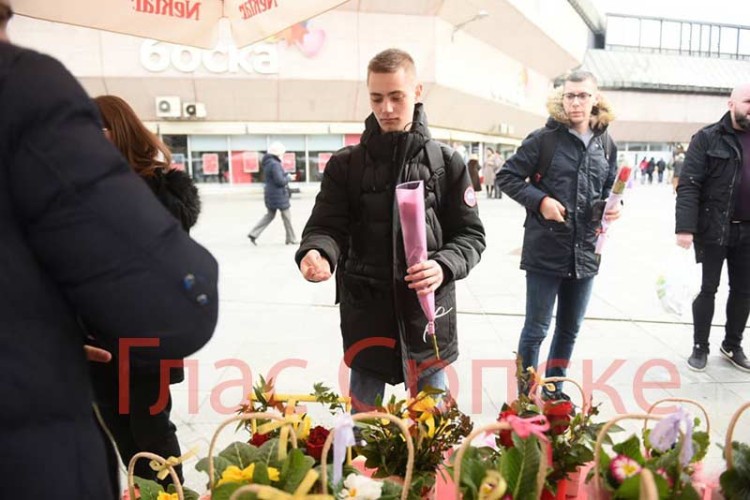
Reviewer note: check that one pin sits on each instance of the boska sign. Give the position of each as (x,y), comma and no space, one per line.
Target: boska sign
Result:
(262,58)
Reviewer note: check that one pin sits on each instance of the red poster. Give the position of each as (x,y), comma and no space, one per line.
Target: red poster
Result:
(351,139)
(289,162)
(323,161)
(178,162)
(250,164)
(210,163)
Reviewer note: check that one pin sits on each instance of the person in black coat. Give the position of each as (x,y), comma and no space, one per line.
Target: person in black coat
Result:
(354,228)
(713,211)
(82,237)
(275,194)
(146,426)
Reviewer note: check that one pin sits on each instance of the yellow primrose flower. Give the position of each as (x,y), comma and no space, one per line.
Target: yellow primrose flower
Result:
(273,474)
(234,474)
(303,428)
(167,496)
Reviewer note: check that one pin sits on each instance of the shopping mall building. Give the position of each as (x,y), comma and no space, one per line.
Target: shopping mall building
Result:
(487,68)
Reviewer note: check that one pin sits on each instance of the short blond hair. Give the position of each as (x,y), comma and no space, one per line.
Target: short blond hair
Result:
(390,61)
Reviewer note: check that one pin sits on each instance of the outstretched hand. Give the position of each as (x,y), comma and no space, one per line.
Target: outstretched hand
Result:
(314,267)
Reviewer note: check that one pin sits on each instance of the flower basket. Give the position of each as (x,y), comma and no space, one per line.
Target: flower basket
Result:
(369,416)
(639,480)
(164,463)
(494,485)
(286,436)
(735,481)
(703,485)
(569,486)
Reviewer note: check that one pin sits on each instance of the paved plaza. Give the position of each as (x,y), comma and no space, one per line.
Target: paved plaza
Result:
(630,351)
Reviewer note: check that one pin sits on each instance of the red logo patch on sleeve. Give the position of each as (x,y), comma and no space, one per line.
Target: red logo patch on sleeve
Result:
(470,197)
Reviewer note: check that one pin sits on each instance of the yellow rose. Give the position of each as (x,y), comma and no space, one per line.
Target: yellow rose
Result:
(167,496)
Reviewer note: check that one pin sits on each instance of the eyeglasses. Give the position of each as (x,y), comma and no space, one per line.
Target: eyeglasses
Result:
(582,97)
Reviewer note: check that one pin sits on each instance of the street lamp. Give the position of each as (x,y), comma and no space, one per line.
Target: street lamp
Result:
(479,15)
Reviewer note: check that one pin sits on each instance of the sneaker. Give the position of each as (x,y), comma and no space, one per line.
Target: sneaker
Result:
(556,395)
(737,358)
(697,361)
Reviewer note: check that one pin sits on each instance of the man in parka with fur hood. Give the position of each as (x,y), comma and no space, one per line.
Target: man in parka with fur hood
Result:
(571,165)
(355,225)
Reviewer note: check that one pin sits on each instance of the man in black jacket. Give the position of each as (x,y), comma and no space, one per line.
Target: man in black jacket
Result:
(82,236)
(572,165)
(355,225)
(713,211)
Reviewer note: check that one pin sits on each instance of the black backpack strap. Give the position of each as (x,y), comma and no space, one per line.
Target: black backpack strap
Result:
(436,159)
(546,152)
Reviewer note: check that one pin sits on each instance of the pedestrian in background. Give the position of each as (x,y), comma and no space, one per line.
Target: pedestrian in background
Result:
(713,214)
(488,171)
(474,168)
(275,194)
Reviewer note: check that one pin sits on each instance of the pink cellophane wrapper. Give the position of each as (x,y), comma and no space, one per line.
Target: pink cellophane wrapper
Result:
(410,199)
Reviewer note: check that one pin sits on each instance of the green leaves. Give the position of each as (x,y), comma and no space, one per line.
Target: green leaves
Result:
(294,470)
(520,466)
(735,482)
(630,448)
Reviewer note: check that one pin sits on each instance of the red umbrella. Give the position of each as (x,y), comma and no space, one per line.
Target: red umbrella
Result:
(197,23)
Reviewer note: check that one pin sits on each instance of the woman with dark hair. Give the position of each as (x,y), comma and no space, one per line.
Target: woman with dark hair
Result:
(146,427)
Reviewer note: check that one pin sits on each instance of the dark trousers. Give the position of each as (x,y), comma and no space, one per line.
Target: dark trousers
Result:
(139,429)
(572,296)
(737,255)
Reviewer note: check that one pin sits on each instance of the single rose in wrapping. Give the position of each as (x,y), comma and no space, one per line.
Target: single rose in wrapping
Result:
(614,198)
(410,199)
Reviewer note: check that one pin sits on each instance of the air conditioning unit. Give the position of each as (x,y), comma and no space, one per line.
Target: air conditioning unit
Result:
(194,110)
(168,107)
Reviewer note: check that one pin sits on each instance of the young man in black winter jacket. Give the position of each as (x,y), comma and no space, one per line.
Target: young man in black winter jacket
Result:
(562,220)
(713,211)
(354,224)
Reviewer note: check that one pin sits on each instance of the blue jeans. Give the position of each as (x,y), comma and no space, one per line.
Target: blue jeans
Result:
(364,389)
(572,299)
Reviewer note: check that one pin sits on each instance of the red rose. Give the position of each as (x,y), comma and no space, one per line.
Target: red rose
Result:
(624,174)
(259,439)
(506,436)
(559,415)
(316,440)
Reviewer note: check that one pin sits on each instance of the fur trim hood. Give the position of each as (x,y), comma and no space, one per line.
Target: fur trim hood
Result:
(601,115)
(177,192)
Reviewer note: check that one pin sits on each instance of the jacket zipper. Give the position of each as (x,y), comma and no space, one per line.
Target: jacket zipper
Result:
(724,226)
(394,267)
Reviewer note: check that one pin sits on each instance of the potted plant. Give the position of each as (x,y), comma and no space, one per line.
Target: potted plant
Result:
(435,425)
(668,452)
(735,481)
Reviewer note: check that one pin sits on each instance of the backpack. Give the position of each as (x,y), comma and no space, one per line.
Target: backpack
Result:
(436,160)
(549,144)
